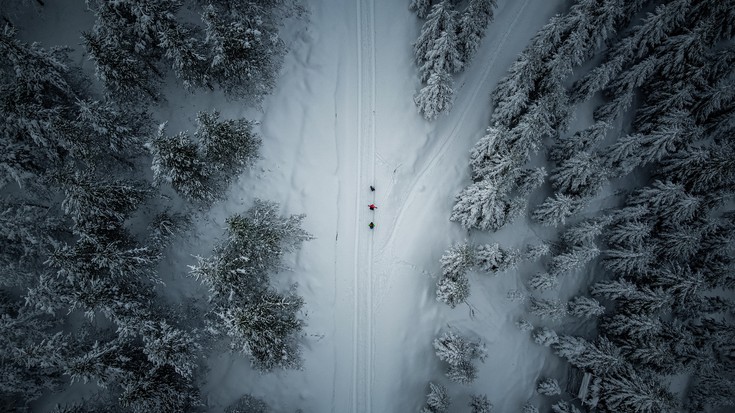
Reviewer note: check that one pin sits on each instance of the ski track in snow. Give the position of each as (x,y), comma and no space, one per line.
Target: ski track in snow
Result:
(449,138)
(363,255)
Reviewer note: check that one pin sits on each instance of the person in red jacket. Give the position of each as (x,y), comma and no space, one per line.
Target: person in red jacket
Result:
(372,207)
(371,225)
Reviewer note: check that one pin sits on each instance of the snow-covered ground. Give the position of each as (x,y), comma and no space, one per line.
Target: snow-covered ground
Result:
(342,118)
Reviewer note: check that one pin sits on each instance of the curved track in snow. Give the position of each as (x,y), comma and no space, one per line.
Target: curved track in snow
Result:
(449,138)
(363,255)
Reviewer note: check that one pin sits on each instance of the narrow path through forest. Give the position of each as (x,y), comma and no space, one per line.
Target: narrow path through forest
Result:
(363,311)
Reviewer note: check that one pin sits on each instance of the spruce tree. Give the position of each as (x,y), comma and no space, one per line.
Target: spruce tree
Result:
(480,404)
(585,307)
(437,400)
(556,210)
(436,97)
(548,387)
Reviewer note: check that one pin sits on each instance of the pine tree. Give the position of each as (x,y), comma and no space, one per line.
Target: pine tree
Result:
(492,258)
(480,404)
(552,309)
(457,260)
(585,232)
(577,257)
(564,407)
(570,348)
(581,175)
(583,141)
(176,160)
(634,261)
(629,234)
(483,206)
(459,353)
(536,252)
(437,400)
(623,156)
(266,328)
(545,337)
(421,7)
(529,408)
(585,307)
(246,52)
(613,290)
(256,242)
(530,179)
(166,345)
(472,25)
(667,199)
(441,20)
(556,210)
(601,357)
(436,97)
(228,146)
(632,326)
(248,404)
(631,392)
(442,57)
(543,281)
(158,389)
(548,387)
(453,291)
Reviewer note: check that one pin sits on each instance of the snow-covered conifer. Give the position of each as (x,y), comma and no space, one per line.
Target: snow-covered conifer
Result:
(623,156)
(437,401)
(248,404)
(453,291)
(266,328)
(545,337)
(543,281)
(564,407)
(530,179)
(601,357)
(441,19)
(631,392)
(570,347)
(585,307)
(582,141)
(613,290)
(553,309)
(624,261)
(246,53)
(421,7)
(176,160)
(529,408)
(536,252)
(227,146)
(629,233)
(577,257)
(480,404)
(472,25)
(632,326)
(481,205)
(442,57)
(524,325)
(256,242)
(464,372)
(457,260)
(459,353)
(158,389)
(548,387)
(581,175)
(667,199)
(166,345)
(436,97)
(585,232)
(492,258)
(556,210)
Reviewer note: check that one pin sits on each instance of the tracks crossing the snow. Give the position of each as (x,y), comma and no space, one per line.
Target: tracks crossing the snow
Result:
(362,375)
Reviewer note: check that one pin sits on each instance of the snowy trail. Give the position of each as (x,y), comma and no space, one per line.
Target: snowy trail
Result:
(363,272)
